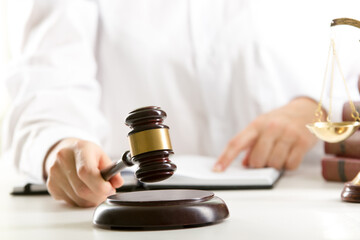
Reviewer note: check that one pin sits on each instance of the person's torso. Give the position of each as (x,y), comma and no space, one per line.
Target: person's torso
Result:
(213,67)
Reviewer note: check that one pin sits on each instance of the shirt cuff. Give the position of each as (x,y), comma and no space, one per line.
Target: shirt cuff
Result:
(32,159)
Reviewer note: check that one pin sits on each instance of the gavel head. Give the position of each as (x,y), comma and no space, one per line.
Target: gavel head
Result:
(150,144)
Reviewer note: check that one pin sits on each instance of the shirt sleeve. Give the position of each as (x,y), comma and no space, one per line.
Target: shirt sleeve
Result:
(52,83)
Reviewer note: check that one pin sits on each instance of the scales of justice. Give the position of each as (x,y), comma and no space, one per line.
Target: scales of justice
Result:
(332,132)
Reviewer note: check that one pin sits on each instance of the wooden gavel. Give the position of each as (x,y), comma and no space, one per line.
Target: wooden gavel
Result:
(150,147)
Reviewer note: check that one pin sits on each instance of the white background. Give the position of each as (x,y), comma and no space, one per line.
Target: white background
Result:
(5,57)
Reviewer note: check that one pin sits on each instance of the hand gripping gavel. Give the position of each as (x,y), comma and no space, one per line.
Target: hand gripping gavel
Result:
(150,147)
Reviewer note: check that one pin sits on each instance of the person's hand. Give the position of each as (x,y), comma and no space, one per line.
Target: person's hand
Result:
(276,139)
(72,169)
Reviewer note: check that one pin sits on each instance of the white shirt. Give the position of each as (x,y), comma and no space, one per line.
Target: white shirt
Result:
(213,66)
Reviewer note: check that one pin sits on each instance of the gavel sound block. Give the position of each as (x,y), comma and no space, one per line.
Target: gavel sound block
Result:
(158,209)
(150,147)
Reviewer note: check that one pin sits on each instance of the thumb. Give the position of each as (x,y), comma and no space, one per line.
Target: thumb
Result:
(116,181)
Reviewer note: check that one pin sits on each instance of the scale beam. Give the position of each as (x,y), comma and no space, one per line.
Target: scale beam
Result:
(345,21)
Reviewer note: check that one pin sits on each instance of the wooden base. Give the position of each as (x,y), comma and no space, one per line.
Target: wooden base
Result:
(158,209)
(351,193)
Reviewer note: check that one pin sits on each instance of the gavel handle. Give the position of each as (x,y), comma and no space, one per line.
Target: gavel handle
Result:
(113,169)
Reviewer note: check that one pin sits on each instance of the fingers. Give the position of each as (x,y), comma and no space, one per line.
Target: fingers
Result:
(53,185)
(240,142)
(281,150)
(68,170)
(287,150)
(116,181)
(87,167)
(275,146)
(264,145)
(64,183)
(61,189)
(59,194)
(71,195)
(278,139)
(245,161)
(75,176)
(279,154)
(296,155)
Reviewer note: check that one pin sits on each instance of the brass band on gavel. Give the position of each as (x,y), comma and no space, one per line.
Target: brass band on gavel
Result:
(149,140)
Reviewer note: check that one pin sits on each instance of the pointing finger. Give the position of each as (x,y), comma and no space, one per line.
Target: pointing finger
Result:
(240,142)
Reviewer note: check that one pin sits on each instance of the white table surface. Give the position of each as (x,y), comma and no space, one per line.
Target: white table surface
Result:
(301,206)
